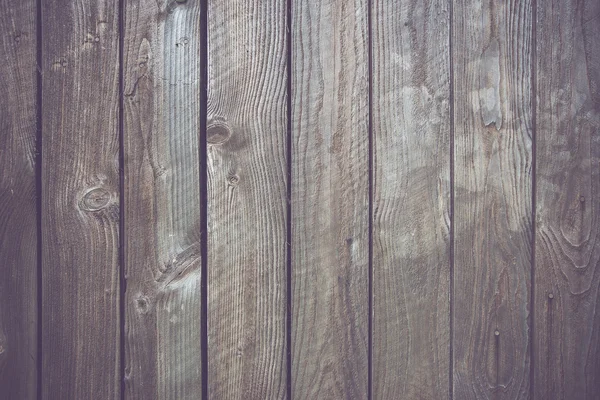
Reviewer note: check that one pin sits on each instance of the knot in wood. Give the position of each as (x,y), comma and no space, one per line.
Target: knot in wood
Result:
(142,304)
(233,180)
(217,134)
(95,200)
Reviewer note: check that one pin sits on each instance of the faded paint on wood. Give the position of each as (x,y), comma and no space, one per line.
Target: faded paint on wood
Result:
(247,174)
(330,199)
(567,271)
(18,221)
(80,200)
(411,199)
(492,198)
(162,87)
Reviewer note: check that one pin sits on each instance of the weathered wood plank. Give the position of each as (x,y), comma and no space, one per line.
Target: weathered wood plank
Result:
(80,200)
(567,271)
(411,199)
(162,85)
(330,199)
(18,222)
(247,171)
(492,206)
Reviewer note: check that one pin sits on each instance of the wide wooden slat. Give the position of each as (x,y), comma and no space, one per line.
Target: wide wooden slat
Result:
(18,232)
(411,199)
(330,201)
(162,85)
(247,171)
(80,200)
(492,207)
(567,271)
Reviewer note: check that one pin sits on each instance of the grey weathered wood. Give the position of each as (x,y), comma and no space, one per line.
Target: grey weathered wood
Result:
(330,198)
(80,200)
(162,86)
(567,272)
(492,207)
(411,199)
(247,170)
(18,235)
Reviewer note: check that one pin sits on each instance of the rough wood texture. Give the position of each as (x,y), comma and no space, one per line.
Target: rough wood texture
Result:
(411,192)
(492,206)
(247,170)
(567,272)
(330,199)
(18,232)
(80,200)
(162,86)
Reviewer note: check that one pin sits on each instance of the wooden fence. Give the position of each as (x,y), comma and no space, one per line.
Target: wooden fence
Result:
(307,199)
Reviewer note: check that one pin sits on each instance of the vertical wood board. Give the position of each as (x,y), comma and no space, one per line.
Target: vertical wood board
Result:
(492,198)
(247,205)
(330,199)
(567,272)
(80,200)
(162,85)
(18,220)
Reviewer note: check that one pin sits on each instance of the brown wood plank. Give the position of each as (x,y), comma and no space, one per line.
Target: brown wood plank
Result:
(80,200)
(492,206)
(330,199)
(247,169)
(567,271)
(162,85)
(18,221)
(411,199)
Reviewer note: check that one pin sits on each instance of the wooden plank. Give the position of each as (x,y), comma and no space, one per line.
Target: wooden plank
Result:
(162,84)
(18,221)
(411,199)
(247,170)
(567,271)
(80,200)
(330,199)
(492,192)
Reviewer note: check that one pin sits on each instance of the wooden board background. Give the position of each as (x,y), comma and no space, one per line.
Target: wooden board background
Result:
(18,203)
(330,199)
(248,199)
(162,227)
(492,199)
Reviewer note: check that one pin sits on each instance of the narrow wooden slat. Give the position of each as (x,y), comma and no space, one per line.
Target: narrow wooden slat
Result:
(567,271)
(80,200)
(18,222)
(330,198)
(492,206)
(247,169)
(411,199)
(162,85)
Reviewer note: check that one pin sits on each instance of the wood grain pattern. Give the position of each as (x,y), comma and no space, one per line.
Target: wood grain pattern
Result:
(411,193)
(247,170)
(162,86)
(567,271)
(80,200)
(330,201)
(18,221)
(492,206)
